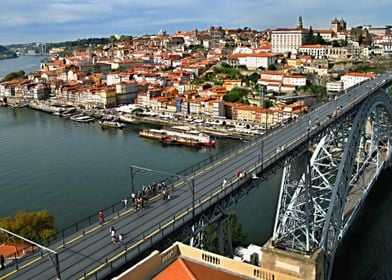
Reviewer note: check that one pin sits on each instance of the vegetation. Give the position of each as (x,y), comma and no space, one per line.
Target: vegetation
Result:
(319,91)
(211,237)
(224,68)
(314,39)
(36,226)
(91,43)
(377,65)
(14,75)
(237,94)
(251,79)
(268,103)
(6,53)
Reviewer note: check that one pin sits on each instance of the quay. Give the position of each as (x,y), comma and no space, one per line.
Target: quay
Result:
(219,131)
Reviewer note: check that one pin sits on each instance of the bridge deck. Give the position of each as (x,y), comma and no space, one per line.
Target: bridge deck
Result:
(84,255)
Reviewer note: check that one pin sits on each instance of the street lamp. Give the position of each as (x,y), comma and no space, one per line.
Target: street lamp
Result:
(135,169)
(55,262)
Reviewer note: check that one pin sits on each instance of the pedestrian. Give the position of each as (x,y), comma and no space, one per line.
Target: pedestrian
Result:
(238,173)
(125,201)
(133,195)
(101,217)
(120,238)
(1,262)
(224,182)
(113,234)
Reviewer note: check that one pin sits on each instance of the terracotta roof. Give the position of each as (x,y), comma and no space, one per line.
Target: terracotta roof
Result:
(188,270)
(357,74)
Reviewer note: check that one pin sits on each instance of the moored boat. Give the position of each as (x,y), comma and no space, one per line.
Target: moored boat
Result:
(82,118)
(111,124)
(191,139)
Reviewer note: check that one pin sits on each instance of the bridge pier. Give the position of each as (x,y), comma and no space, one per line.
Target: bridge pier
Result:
(291,265)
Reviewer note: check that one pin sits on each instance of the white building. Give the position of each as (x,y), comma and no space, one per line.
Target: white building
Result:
(252,60)
(334,86)
(353,78)
(316,51)
(285,40)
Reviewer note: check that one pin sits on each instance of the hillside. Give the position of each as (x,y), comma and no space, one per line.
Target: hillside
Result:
(6,53)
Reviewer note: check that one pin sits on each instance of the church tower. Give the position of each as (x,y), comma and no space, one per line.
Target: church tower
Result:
(300,25)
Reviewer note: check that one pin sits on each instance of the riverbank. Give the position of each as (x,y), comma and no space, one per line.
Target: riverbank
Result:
(226,130)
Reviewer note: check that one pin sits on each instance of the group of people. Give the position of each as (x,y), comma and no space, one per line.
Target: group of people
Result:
(114,237)
(240,174)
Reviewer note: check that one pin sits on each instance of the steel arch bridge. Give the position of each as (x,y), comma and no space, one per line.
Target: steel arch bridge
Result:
(316,208)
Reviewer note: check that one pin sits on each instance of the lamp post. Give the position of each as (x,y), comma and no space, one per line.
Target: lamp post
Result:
(135,169)
(55,262)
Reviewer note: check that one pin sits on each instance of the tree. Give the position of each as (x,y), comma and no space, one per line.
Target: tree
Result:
(211,238)
(236,94)
(272,67)
(14,75)
(268,103)
(36,226)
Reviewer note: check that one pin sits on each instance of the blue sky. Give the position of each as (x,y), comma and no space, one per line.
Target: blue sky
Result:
(59,20)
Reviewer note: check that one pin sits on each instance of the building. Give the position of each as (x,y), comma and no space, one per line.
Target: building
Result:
(353,78)
(284,40)
(316,50)
(334,86)
(252,60)
(338,25)
(184,262)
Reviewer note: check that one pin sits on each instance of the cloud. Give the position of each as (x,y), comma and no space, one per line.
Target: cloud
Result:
(45,20)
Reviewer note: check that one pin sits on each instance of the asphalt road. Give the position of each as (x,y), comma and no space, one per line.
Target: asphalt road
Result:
(93,252)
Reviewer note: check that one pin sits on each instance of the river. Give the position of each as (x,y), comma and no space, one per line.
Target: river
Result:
(75,169)
(25,63)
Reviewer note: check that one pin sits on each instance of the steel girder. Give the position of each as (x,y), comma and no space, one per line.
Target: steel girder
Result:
(315,210)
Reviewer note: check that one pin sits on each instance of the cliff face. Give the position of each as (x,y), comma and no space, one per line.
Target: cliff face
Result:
(6,53)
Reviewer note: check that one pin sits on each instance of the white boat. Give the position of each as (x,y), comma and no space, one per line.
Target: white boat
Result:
(113,124)
(82,119)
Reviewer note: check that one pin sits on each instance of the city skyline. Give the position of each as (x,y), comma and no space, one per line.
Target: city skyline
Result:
(61,20)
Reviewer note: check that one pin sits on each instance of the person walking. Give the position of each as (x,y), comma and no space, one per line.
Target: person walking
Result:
(101,218)
(224,182)
(120,238)
(125,201)
(1,262)
(113,234)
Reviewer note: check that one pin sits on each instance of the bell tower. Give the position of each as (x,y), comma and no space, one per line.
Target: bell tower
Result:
(299,24)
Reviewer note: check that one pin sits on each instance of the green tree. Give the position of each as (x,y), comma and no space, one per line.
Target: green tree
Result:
(211,240)
(268,103)
(37,226)
(237,94)
(14,75)
(272,67)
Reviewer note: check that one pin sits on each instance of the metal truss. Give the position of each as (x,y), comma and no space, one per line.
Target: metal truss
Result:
(316,208)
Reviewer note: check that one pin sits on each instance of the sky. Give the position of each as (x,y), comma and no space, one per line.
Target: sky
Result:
(23,21)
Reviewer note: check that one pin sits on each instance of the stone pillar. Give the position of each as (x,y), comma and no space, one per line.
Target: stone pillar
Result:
(291,265)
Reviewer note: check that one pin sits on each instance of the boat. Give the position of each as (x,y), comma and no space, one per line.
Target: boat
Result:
(82,118)
(169,141)
(191,138)
(111,124)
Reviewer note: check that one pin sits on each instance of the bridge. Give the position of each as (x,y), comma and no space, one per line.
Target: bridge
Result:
(350,142)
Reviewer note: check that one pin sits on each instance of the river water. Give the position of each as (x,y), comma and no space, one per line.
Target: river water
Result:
(75,169)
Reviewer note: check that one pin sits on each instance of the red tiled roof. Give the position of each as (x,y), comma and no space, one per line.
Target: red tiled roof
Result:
(188,270)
